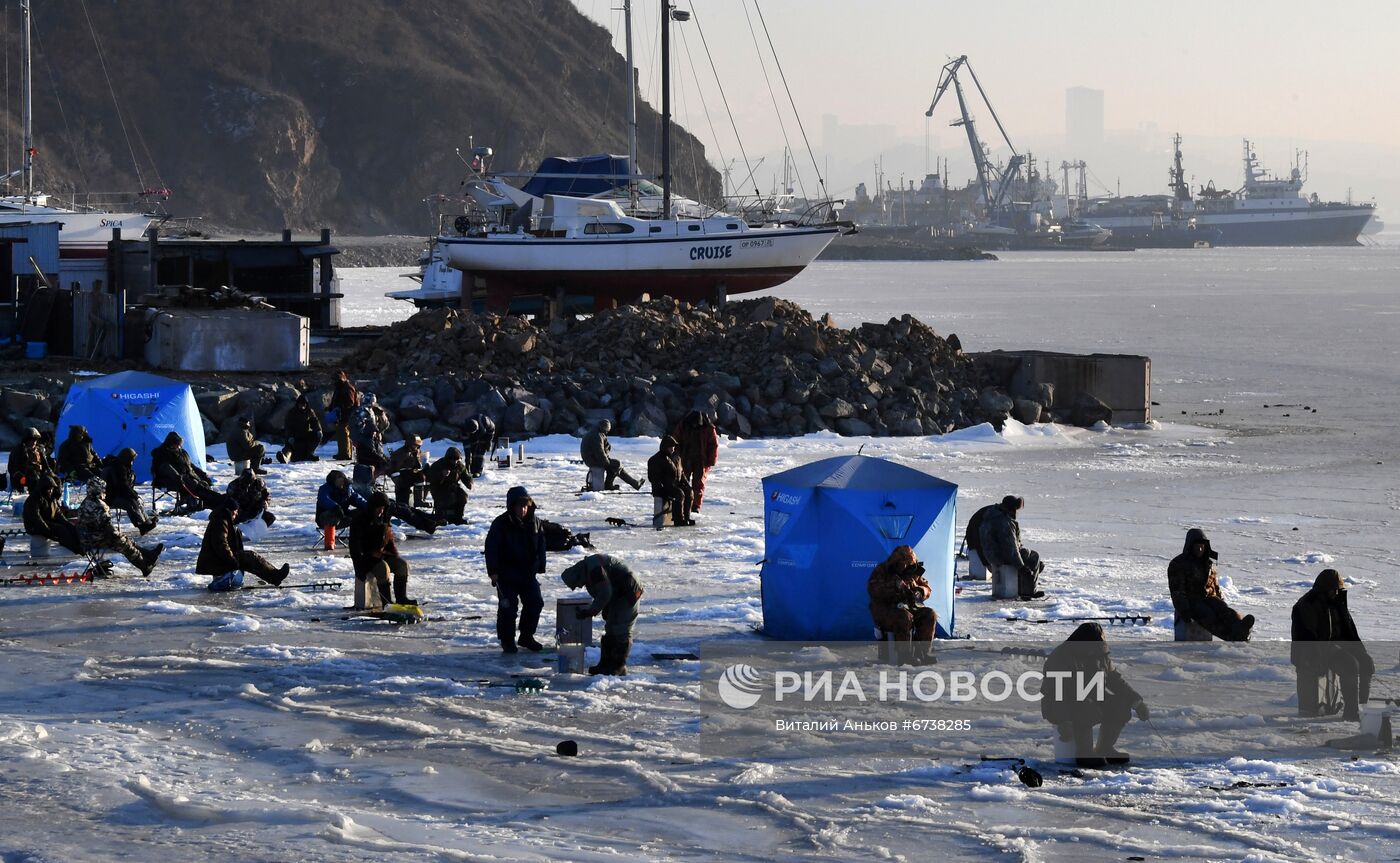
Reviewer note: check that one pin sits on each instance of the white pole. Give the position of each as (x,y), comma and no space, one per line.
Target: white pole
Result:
(26,63)
(631,109)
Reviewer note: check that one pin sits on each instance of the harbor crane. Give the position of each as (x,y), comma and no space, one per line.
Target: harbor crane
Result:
(994,181)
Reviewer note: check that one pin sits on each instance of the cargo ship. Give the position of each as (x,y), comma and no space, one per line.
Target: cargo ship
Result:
(1266,211)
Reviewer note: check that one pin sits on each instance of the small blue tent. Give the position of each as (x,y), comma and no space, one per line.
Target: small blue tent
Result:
(133,409)
(828,523)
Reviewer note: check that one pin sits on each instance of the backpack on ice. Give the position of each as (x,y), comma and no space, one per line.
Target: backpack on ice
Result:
(226,582)
(560,538)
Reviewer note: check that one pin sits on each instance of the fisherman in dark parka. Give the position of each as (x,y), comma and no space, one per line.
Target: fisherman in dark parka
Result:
(1083,655)
(1325,639)
(77,460)
(515,555)
(1195,591)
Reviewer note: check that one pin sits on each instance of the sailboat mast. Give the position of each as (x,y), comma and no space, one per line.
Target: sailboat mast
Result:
(631,109)
(665,109)
(26,63)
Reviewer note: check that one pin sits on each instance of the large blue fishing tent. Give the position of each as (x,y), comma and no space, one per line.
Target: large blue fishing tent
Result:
(828,523)
(133,409)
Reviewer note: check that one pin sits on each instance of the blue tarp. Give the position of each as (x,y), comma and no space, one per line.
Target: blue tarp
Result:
(828,523)
(133,409)
(601,163)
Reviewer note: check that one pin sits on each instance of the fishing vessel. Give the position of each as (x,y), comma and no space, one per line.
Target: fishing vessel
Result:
(1266,211)
(594,230)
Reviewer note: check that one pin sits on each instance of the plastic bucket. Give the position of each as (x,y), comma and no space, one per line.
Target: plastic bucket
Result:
(36,350)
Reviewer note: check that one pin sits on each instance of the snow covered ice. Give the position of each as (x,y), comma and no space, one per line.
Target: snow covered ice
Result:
(149,717)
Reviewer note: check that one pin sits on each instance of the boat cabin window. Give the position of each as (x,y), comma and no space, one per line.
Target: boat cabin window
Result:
(655,229)
(606,228)
(693,227)
(731,227)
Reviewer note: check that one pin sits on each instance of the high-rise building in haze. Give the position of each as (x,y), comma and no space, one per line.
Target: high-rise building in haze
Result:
(1083,121)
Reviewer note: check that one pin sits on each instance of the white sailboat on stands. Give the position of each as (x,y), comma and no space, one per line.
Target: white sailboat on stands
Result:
(565,239)
(86,230)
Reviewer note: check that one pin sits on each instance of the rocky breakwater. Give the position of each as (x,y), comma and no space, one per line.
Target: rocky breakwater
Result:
(762,368)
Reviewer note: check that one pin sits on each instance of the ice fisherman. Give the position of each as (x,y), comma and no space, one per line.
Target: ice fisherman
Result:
(897,589)
(698,445)
(999,544)
(597,453)
(515,555)
(97,532)
(1083,655)
(616,596)
(665,475)
(119,473)
(1195,591)
(375,554)
(243,446)
(221,551)
(77,460)
(450,482)
(1325,639)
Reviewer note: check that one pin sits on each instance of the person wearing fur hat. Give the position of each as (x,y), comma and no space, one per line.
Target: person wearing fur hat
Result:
(897,589)
(1195,591)
(1082,656)
(222,551)
(1325,639)
(668,482)
(616,595)
(120,476)
(450,481)
(999,543)
(515,556)
(77,461)
(97,531)
(374,553)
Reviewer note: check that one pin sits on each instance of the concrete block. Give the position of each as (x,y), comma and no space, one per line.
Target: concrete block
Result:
(229,340)
(1123,382)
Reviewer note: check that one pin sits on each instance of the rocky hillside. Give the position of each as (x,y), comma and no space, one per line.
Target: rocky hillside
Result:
(260,114)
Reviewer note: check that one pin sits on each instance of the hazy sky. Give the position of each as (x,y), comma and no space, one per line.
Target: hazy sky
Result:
(1281,72)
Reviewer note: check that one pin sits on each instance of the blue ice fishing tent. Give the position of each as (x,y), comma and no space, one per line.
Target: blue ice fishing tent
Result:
(828,523)
(133,409)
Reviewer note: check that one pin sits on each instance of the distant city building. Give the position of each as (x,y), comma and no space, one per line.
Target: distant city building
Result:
(855,142)
(1083,121)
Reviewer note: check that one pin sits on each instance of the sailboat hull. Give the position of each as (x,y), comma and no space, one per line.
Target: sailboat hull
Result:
(84,235)
(687,268)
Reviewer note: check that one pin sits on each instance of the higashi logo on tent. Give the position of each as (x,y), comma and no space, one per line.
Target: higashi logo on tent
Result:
(740,686)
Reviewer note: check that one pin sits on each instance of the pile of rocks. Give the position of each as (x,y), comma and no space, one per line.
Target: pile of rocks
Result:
(761,367)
